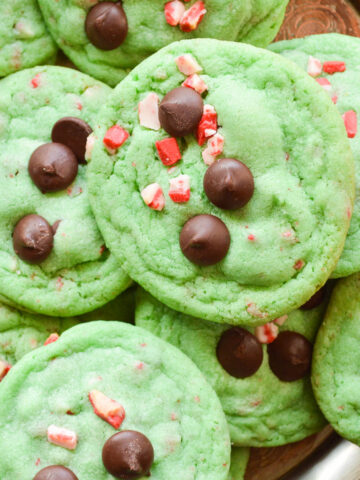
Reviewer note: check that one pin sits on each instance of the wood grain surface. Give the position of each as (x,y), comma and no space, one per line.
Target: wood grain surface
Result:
(304,17)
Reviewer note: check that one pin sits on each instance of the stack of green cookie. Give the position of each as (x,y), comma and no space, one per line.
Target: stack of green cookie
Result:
(217,176)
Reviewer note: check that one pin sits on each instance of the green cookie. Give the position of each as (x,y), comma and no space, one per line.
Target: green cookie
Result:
(22,332)
(163,394)
(335,370)
(239,460)
(80,274)
(284,242)
(253,21)
(343,87)
(262,410)
(24,41)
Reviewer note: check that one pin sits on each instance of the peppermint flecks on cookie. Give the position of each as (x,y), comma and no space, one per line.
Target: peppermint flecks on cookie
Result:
(149,112)
(153,196)
(115,137)
(179,190)
(187,64)
(168,150)
(188,20)
(62,437)
(4,369)
(267,333)
(350,122)
(51,339)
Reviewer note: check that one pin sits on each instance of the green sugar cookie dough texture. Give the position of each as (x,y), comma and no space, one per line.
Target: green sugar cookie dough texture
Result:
(333,61)
(335,370)
(108,39)
(262,409)
(24,40)
(160,193)
(53,258)
(63,403)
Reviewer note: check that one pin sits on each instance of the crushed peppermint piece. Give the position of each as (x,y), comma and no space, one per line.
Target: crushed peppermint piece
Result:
(174,12)
(267,333)
(196,83)
(107,409)
(314,67)
(35,81)
(187,64)
(62,437)
(281,320)
(179,190)
(192,17)
(334,67)
(4,369)
(24,29)
(299,264)
(153,196)
(214,148)
(251,237)
(168,150)
(90,142)
(324,82)
(149,112)
(350,121)
(115,137)
(254,311)
(208,124)
(51,339)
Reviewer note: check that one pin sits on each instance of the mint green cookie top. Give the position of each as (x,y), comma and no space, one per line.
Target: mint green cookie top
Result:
(344,88)
(336,361)
(262,410)
(24,40)
(285,242)
(22,332)
(239,460)
(253,21)
(164,396)
(80,274)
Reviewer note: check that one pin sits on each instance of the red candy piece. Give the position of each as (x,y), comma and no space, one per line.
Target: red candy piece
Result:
(192,17)
(179,190)
(208,124)
(334,67)
(62,437)
(35,82)
(4,369)
(51,339)
(174,12)
(153,196)
(196,83)
(324,82)
(168,151)
(115,137)
(267,333)
(107,409)
(350,121)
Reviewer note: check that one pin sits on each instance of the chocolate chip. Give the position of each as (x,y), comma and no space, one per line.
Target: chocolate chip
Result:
(290,356)
(106,25)
(72,132)
(239,352)
(204,240)
(33,239)
(315,300)
(128,455)
(228,184)
(180,111)
(53,167)
(55,472)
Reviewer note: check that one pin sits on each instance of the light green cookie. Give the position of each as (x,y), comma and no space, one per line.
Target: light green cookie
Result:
(24,41)
(22,332)
(262,410)
(336,361)
(80,274)
(253,21)
(286,241)
(164,396)
(344,88)
(239,460)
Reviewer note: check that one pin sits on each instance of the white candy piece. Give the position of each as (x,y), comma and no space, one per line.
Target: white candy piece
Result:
(62,437)
(90,142)
(267,333)
(153,196)
(149,112)
(314,67)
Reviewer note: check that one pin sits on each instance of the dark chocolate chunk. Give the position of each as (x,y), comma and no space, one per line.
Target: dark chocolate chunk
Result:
(128,455)
(33,239)
(55,472)
(180,111)
(72,132)
(204,240)
(106,25)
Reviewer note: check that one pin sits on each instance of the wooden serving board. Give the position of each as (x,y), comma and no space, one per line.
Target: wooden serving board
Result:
(304,17)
